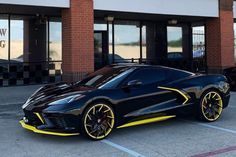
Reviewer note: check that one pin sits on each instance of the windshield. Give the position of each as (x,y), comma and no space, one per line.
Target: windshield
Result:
(106,78)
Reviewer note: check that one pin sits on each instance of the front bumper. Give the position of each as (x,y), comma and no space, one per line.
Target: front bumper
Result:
(34,129)
(50,124)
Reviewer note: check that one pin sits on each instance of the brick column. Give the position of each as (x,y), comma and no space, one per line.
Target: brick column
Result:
(220,38)
(77,40)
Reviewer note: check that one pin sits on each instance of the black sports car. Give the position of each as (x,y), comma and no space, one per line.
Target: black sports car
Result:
(123,95)
(230,73)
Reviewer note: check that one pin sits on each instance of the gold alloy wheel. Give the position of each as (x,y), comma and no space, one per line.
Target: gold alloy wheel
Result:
(99,121)
(212,106)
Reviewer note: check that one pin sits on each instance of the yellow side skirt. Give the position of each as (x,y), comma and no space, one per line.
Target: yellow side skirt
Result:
(146,121)
(34,129)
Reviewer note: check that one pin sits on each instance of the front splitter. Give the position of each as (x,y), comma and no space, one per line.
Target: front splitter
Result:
(34,129)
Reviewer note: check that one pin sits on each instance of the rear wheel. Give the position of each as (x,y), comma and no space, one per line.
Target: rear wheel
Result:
(98,121)
(211,106)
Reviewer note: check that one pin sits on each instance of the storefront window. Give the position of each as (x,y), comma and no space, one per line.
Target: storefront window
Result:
(55,41)
(127,45)
(3,38)
(17,41)
(100,27)
(198,42)
(175,42)
(110,49)
(144,45)
(235,42)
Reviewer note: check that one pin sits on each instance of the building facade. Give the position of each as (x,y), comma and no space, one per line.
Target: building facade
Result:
(49,41)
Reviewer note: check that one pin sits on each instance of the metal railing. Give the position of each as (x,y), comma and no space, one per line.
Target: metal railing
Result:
(195,65)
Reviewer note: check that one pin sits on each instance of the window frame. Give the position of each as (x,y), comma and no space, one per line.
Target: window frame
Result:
(123,83)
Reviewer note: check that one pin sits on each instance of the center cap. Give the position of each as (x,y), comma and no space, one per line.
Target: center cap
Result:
(99,120)
(210,105)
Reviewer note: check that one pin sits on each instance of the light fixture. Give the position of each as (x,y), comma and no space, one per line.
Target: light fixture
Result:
(109,18)
(173,22)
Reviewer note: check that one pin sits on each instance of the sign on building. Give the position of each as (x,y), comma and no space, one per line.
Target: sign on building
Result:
(3,33)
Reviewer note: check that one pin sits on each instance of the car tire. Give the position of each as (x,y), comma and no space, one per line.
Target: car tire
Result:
(98,121)
(210,107)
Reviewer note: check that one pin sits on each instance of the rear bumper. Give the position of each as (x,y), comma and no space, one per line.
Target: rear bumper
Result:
(34,129)
(226,100)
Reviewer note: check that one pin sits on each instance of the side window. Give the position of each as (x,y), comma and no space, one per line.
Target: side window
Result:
(148,76)
(173,75)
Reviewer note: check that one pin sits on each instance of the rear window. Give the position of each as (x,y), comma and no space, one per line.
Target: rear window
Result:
(174,74)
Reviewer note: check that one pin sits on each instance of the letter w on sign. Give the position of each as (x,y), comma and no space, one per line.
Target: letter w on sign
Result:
(3,32)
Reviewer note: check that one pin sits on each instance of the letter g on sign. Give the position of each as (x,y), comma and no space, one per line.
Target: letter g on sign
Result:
(2,43)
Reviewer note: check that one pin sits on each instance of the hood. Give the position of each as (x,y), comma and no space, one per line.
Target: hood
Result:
(53,92)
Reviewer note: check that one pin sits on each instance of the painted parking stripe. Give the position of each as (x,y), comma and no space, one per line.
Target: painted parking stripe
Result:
(117,146)
(216,152)
(213,127)
(9,104)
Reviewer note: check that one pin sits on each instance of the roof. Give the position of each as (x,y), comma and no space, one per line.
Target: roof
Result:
(118,65)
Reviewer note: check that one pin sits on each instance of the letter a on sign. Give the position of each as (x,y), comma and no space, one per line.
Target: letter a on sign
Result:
(3,32)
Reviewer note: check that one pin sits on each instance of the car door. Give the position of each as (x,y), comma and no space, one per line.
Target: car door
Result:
(145,98)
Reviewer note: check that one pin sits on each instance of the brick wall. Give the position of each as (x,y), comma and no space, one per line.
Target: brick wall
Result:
(220,39)
(77,40)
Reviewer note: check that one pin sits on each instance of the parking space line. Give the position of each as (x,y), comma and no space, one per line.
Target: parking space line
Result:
(9,104)
(117,146)
(213,127)
(218,128)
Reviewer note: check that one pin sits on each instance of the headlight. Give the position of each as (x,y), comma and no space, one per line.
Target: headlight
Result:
(67,100)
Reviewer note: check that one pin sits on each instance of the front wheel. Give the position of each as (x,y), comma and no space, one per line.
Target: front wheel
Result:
(98,121)
(211,106)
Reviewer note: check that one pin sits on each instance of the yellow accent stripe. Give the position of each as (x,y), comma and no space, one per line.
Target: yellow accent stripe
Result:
(146,121)
(32,128)
(39,116)
(178,91)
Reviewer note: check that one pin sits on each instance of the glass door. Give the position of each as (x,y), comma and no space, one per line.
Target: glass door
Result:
(101,49)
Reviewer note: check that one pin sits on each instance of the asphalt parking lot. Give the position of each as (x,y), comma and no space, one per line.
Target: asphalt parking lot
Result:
(173,138)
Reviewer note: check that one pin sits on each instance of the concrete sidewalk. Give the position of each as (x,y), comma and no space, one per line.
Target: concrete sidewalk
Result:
(16,95)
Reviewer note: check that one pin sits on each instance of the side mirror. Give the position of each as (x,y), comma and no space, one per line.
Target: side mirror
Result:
(134,83)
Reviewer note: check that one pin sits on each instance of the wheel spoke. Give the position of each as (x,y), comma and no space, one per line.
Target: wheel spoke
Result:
(106,110)
(89,125)
(213,113)
(206,112)
(214,95)
(218,105)
(209,97)
(89,117)
(217,111)
(94,110)
(109,125)
(110,117)
(100,108)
